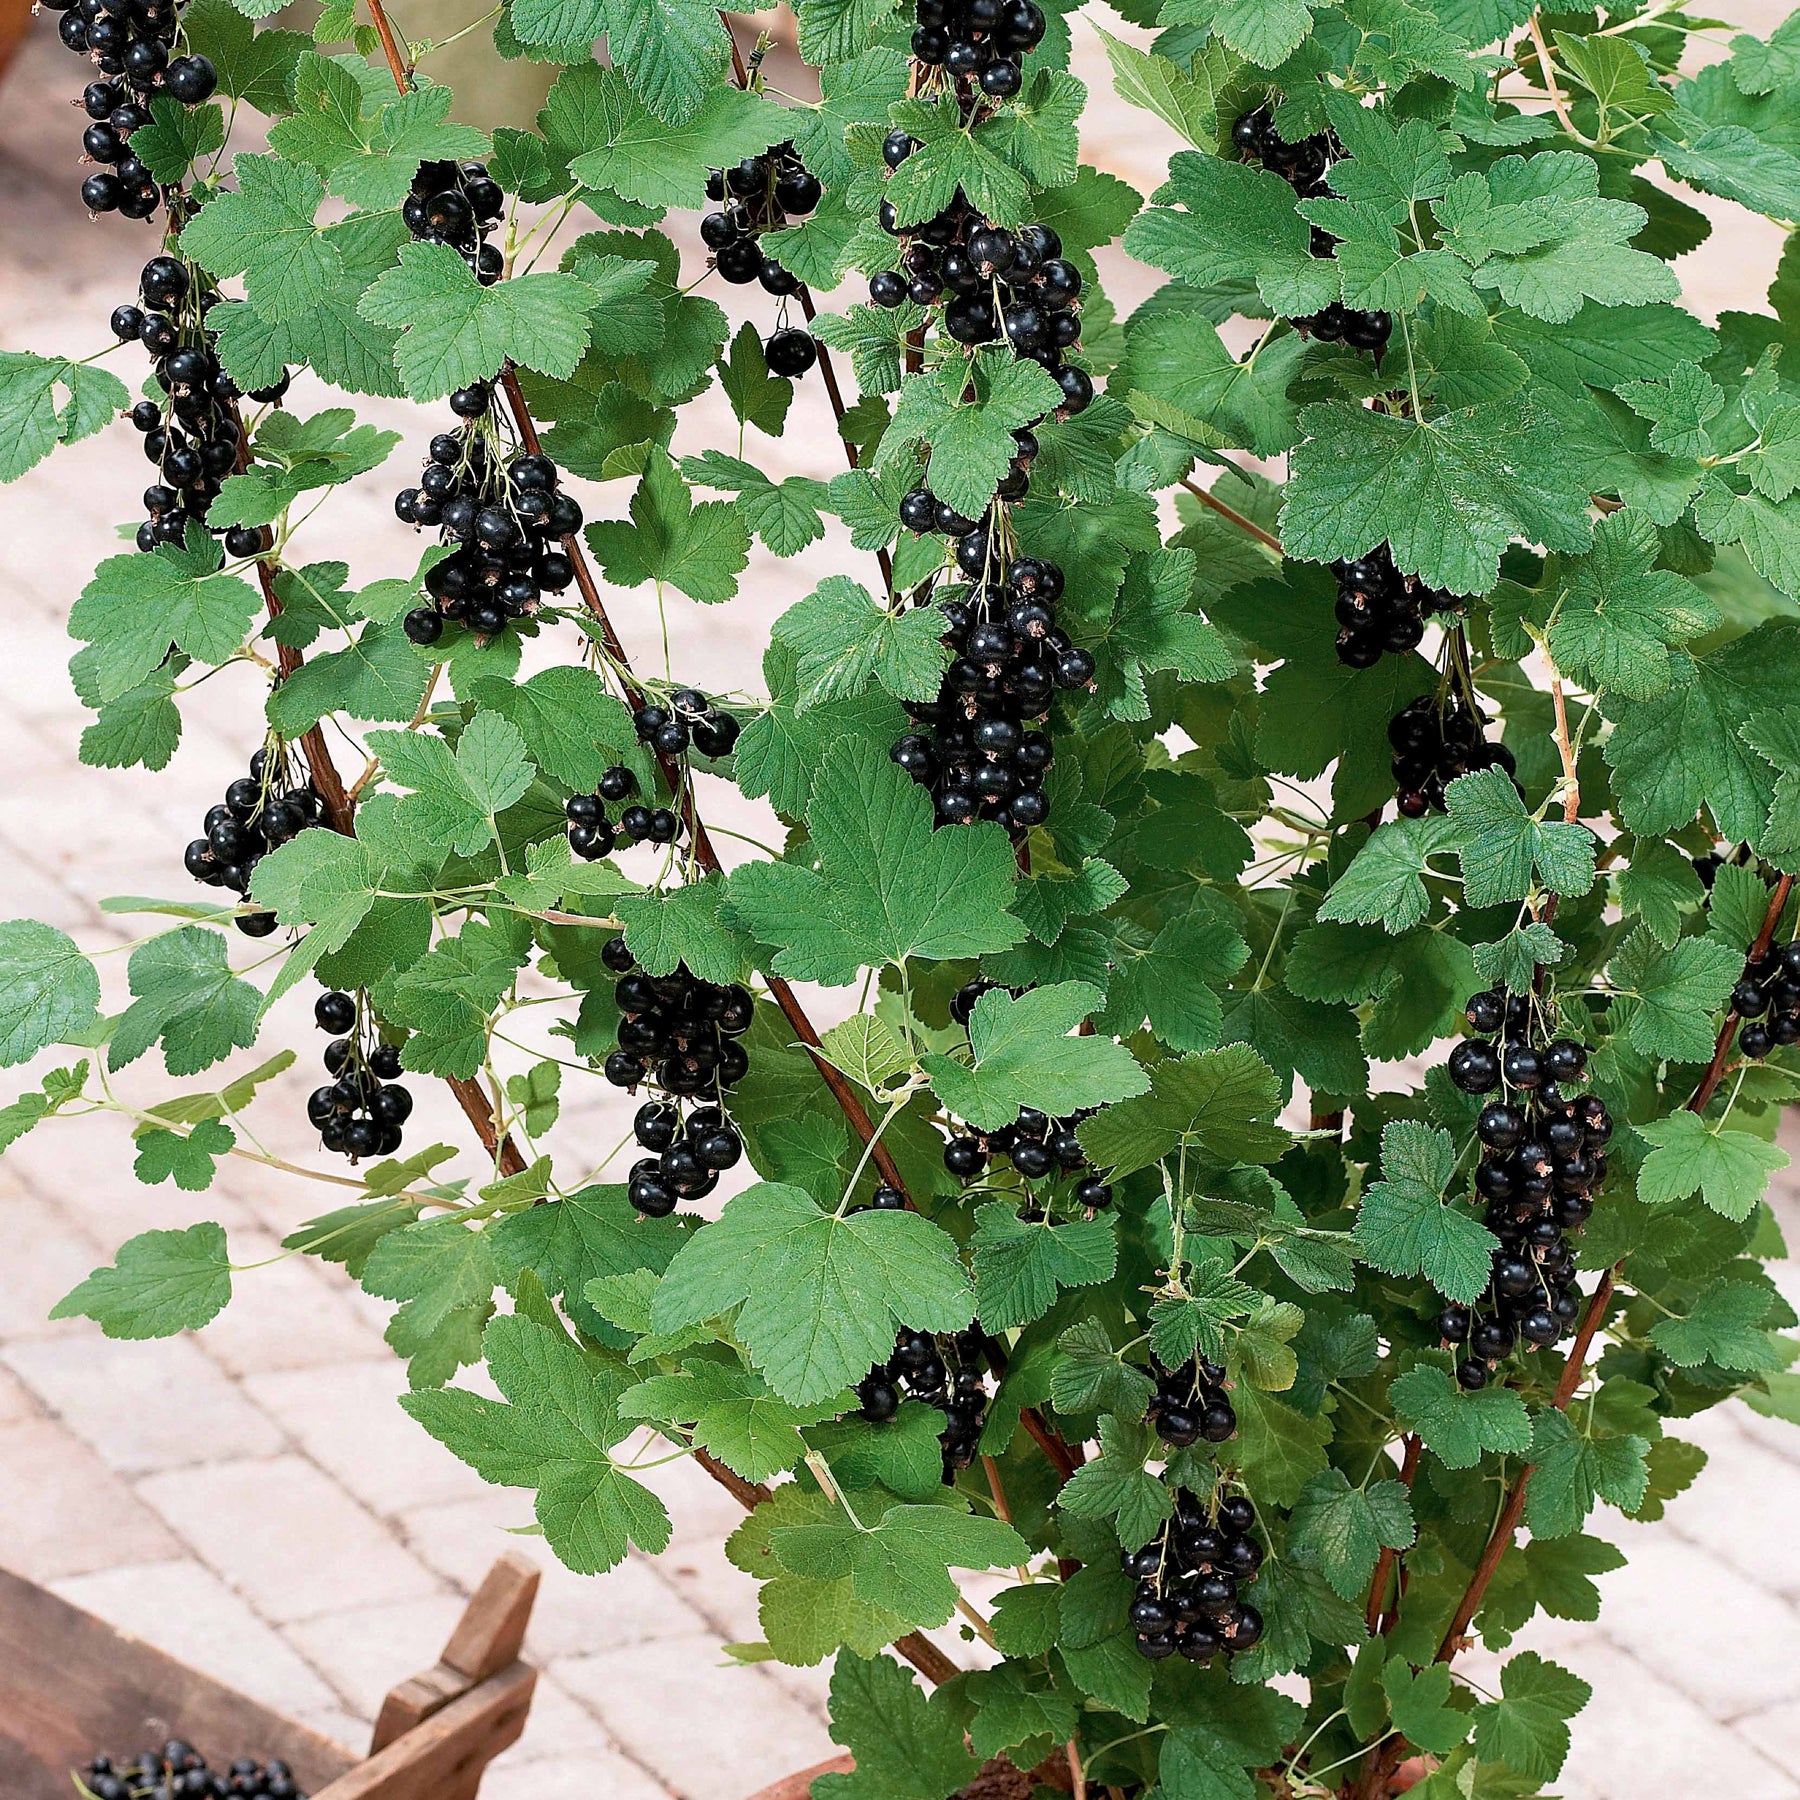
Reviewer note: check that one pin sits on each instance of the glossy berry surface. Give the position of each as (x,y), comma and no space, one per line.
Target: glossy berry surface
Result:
(945,1371)
(261,811)
(679,1040)
(1542,1159)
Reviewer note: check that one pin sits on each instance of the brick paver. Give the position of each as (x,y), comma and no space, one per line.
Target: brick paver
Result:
(253,1500)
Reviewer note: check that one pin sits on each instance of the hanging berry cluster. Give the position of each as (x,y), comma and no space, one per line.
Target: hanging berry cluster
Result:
(947,1372)
(689,721)
(1302,166)
(593,835)
(984,284)
(1188,1574)
(1436,738)
(131,43)
(458,204)
(1379,609)
(1767,1000)
(977,747)
(260,812)
(977,44)
(193,435)
(505,515)
(360,1113)
(1543,1153)
(679,1035)
(763,193)
(1038,1147)
(1190,1403)
(179,1772)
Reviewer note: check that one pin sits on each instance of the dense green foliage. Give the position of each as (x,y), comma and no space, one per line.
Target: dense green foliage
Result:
(1222,925)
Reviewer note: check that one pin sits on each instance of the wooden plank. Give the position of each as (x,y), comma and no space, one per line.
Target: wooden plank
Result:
(487,1639)
(445,1756)
(71,1685)
(491,1632)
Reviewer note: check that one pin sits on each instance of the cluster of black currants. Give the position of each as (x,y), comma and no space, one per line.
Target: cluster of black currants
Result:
(947,1372)
(1435,739)
(979,746)
(592,835)
(1302,166)
(995,285)
(1190,1403)
(1379,609)
(1767,1000)
(1037,1146)
(763,193)
(979,44)
(507,521)
(1543,1155)
(131,43)
(689,721)
(680,1035)
(458,204)
(362,1110)
(260,812)
(177,1771)
(1188,1574)
(193,436)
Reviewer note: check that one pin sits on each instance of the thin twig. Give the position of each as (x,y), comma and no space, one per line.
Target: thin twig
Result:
(1548,70)
(1715,1070)
(1384,1564)
(390,48)
(918,1649)
(991,1470)
(1565,749)
(828,373)
(1266,539)
(340,813)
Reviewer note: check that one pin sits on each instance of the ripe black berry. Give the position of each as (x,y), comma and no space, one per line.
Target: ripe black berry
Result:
(945,1372)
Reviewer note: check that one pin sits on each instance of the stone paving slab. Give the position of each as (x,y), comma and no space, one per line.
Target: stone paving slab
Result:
(253,1500)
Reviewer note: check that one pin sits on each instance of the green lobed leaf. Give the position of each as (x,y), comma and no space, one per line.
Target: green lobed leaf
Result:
(162,1282)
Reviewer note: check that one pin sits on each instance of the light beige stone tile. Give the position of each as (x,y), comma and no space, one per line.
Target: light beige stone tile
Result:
(287,1537)
(559,1726)
(143,1406)
(767,1735)
(339,1726)
(586,1775)
(66,1513)
(16,1403)
(347,1418)
(44,1255)
(1775,1732)
(1725,1641)
(574,1613)
(366,1650)
(1644,1738)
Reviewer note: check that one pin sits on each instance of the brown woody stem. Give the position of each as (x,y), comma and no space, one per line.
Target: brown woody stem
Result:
(1266,539)
(918,1649)
(1384,1564)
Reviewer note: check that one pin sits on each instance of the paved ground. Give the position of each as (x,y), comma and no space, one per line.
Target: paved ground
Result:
(252,1498)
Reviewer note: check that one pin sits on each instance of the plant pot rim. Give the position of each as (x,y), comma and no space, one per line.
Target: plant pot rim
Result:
(796,1785)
